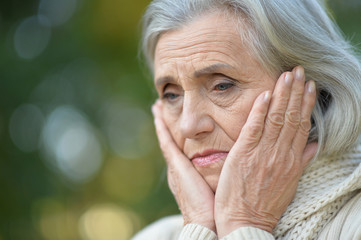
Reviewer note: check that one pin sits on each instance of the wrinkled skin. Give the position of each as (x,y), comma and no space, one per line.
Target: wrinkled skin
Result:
(215,96)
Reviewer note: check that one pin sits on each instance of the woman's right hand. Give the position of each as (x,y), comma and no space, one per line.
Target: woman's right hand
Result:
(193,195)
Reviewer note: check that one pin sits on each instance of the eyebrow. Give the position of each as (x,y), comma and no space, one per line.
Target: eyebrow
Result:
(162,80)
(214,68)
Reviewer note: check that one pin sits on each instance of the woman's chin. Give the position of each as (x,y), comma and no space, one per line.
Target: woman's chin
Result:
(211,173)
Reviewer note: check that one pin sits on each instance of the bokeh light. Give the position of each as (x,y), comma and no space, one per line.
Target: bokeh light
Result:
(71,145)
(129,130)
(107,222)
(31,38)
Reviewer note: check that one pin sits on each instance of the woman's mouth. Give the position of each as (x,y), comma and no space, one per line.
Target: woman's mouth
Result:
(208,157)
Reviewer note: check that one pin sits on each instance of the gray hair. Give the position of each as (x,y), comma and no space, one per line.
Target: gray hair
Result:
(283,34)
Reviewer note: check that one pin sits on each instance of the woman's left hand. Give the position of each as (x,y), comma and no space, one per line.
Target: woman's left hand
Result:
(261,173)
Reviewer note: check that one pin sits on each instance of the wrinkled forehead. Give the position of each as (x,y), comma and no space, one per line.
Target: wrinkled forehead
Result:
(212,37)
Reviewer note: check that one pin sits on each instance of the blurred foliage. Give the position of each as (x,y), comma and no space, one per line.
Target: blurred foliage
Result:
(78,153)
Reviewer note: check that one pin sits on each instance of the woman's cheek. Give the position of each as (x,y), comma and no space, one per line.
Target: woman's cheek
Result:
(232,119)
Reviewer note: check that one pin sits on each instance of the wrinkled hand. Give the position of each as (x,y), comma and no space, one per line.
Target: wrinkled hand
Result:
(193,195)
(260,175)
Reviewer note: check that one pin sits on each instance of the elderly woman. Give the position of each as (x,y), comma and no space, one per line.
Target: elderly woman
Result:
(258,119)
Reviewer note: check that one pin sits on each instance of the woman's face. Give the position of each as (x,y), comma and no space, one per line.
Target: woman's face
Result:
(208,80)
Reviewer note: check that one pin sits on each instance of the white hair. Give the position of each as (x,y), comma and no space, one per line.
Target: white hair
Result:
(283,34)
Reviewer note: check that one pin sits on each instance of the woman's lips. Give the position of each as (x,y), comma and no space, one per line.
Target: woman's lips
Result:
(208,157)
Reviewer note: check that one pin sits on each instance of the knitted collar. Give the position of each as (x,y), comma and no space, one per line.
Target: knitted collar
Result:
(327,185)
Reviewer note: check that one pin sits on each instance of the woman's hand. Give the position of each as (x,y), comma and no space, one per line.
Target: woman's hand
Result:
(260,175)
(193,195)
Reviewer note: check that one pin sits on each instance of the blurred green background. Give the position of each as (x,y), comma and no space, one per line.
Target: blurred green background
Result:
(78,154)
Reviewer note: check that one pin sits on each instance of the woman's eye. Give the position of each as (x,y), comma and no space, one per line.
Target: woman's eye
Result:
(170,96)
(223,86)
(171,92)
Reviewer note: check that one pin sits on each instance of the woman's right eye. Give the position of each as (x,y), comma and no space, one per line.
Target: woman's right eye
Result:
(170,96)
(171,92)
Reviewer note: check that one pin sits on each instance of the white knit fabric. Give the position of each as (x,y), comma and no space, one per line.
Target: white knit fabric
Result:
(195,231)
(325,187)
(248,233)
(346,224)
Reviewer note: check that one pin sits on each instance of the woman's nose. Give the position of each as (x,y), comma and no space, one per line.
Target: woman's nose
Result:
(195,120)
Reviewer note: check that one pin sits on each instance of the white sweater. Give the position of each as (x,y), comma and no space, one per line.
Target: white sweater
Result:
(327,205)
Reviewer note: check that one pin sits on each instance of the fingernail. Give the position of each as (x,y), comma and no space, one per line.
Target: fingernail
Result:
(267,96)
(311,87)
(288,78)
(299,73)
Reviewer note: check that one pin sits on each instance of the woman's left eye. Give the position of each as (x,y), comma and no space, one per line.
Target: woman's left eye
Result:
(223,86)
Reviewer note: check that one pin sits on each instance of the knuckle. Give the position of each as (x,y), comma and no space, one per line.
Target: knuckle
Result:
(259,112)
(254,130)
(305,126)
(293,117)
(283,94)
(276,119)
(298,93)
(284,97)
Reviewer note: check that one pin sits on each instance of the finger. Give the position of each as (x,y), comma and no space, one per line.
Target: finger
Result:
(308,102)
(253,128)
(171,152)
(293,112)
(279,102)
